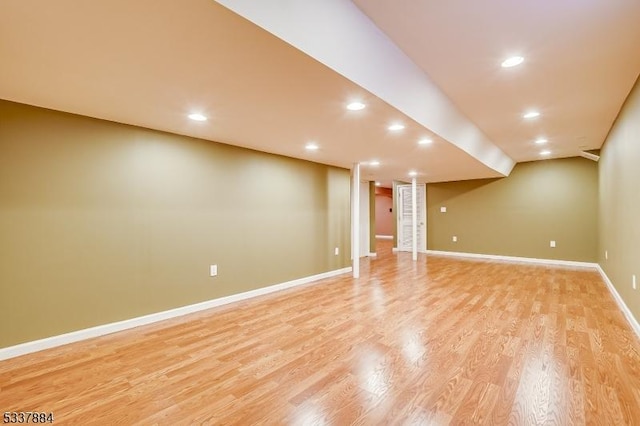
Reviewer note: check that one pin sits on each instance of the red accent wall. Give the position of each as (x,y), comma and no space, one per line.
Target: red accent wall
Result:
(384,216)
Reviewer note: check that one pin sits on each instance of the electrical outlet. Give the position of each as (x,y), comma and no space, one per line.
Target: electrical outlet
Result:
(633,282)
(213,270)
(552,243)
(606,255)
(336,251)
(443,209)
(454,239)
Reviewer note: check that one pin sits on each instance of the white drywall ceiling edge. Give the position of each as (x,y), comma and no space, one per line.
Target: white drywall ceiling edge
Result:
(339,35)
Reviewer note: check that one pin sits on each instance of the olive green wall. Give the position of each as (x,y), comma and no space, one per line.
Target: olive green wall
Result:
(620,202)
(519,215)
(101,222)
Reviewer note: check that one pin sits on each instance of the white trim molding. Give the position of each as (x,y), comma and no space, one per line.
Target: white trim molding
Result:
(373,254)
(515,259)
(384,237)
(623,306)
(101,330)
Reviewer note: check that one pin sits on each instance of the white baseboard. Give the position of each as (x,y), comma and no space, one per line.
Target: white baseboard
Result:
(371,254)
(101,330)
(515,259)
(623,306)
(397,250)
(384,237)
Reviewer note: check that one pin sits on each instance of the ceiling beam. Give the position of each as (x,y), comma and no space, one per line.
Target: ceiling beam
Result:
(342,37)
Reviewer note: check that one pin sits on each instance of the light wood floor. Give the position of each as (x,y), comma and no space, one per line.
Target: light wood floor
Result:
(439,341)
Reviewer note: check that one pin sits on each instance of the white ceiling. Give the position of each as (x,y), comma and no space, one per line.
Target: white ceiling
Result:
(150,62)
(582,58)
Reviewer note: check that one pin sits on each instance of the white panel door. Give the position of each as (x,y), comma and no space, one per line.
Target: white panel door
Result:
(405,218)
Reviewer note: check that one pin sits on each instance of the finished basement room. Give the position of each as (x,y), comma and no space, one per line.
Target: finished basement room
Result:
(320,213)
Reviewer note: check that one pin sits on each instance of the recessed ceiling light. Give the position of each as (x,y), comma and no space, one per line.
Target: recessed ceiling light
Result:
(197,117)
(356,106)
(541,141)
(413,173)
(531,114)
(395,127)
(545,152)
(512,61)
(374,163)
(377,183)
(311,146)
(424,141)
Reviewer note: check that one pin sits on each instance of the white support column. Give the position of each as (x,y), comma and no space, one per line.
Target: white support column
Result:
(414,220)
(355,219)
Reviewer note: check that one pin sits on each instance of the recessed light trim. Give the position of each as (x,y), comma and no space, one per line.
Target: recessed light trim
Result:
(545,152)
(512,61)
(396,127)
(196,116)
(378,183)
(413,173)
(541,141)
(311,146)
(425,141)
(531,114)
(356,106)
(374,163)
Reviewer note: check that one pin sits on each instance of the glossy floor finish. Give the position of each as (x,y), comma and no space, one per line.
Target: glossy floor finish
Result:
(439,341)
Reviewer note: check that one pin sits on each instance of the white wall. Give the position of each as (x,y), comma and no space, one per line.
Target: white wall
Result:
(364,219)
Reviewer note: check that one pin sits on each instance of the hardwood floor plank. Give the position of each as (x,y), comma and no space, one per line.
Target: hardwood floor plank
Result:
(438,341)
